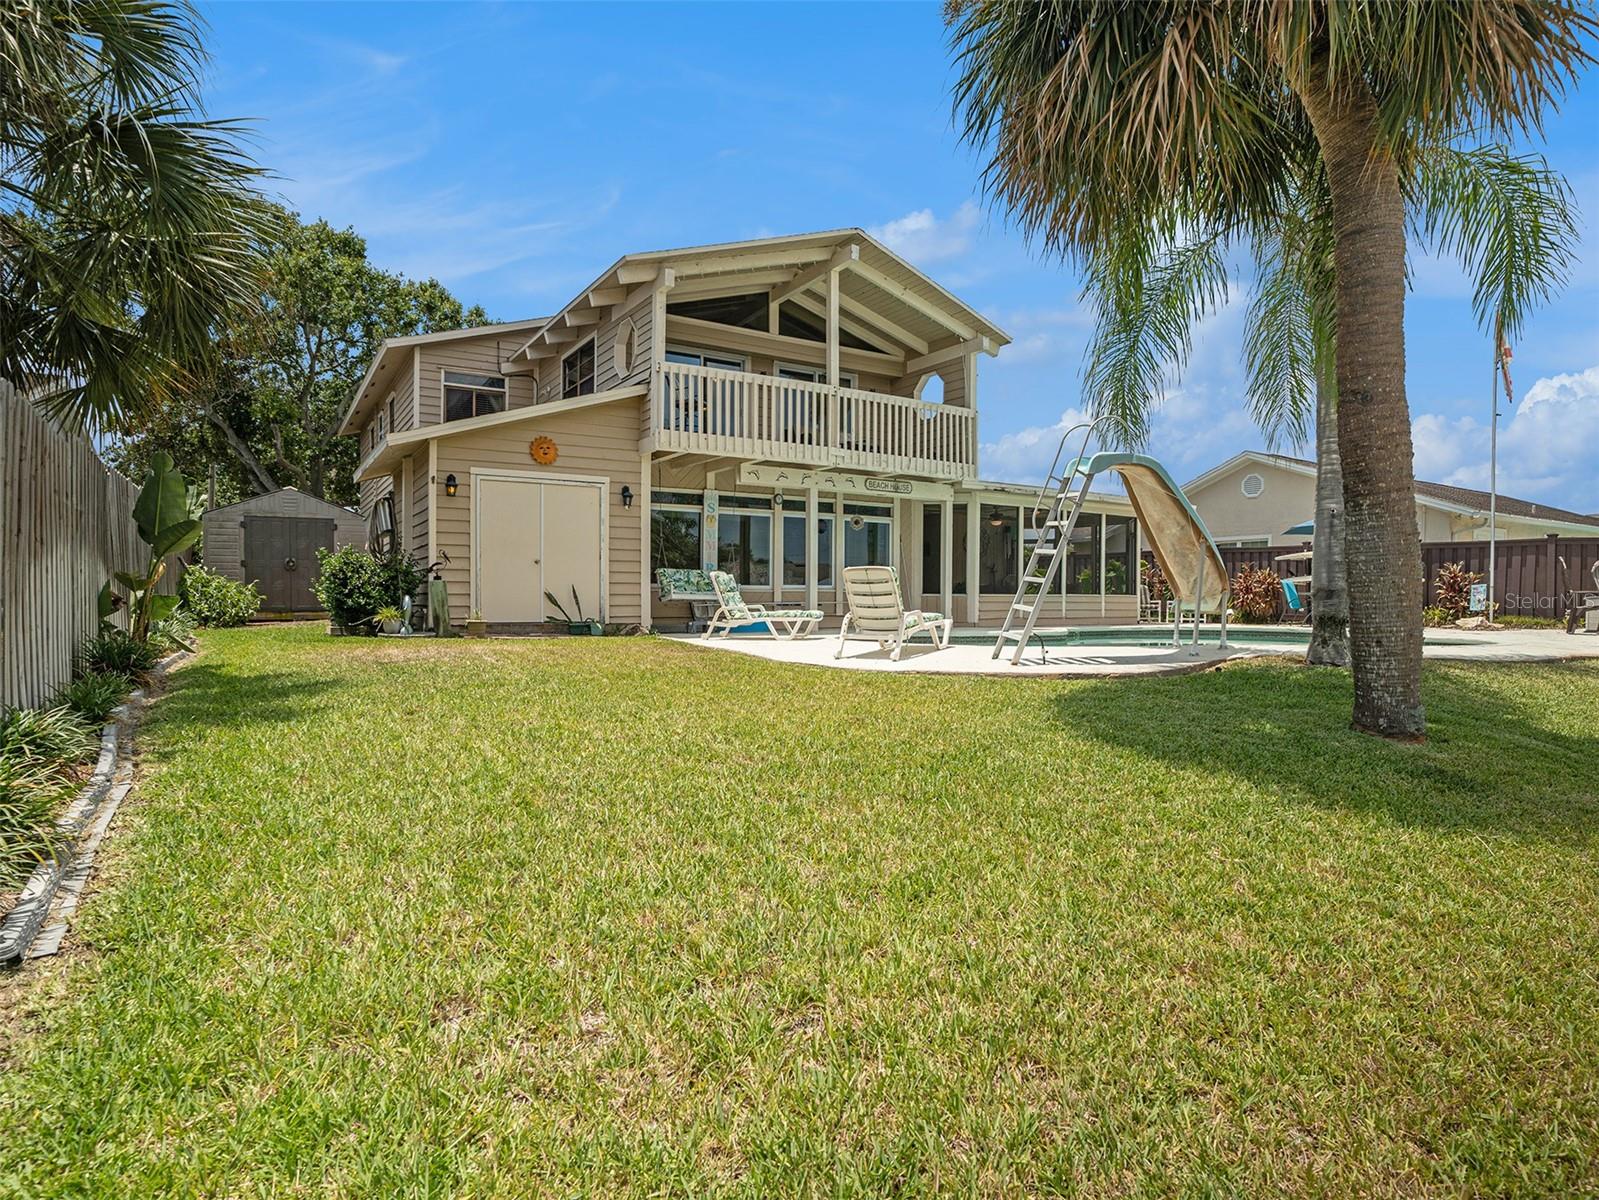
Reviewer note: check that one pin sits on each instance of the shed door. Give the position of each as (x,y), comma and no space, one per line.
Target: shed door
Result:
(572,548)
(508,520)
(532,537)
(280,555)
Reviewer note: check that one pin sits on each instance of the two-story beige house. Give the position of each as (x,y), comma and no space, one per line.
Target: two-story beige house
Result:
(778,408)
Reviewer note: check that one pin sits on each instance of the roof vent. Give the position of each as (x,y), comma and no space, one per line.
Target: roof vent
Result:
(1252,485)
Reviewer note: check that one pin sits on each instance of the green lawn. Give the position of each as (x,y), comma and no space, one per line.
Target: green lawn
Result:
(627,917)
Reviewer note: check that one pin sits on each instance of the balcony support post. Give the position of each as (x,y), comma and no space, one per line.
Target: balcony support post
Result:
(974,584)
(946,557)
(811,564)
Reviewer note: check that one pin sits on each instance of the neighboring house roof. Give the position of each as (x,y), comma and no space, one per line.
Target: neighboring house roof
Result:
(877,289)
(1439,495)
(390,353)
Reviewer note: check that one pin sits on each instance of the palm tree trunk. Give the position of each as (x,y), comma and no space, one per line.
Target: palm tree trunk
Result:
(1381,540)
(1329,583)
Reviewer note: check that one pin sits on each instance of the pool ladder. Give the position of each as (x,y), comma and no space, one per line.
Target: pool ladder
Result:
(1044,563)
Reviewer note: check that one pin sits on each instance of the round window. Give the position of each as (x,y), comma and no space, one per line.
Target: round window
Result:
(622,348)
(1252,485)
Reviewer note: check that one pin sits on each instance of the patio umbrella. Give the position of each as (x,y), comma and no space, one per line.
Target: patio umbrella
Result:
(1303,529)
(1294,556)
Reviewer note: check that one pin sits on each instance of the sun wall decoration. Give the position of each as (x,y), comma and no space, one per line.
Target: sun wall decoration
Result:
(543,451)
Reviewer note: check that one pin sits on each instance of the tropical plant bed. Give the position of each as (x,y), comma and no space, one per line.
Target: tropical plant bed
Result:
(618,917)
(23,915)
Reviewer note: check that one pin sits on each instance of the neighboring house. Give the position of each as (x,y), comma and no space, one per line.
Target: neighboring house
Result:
(1256,499)
(777,408)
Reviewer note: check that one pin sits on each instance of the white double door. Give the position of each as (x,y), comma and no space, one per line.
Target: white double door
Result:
(535,536)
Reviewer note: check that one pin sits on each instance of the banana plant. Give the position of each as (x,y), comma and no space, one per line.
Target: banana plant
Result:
(167,523)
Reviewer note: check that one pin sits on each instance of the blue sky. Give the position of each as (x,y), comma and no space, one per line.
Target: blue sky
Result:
(513,151)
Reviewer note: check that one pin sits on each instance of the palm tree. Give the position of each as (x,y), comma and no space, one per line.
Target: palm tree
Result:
(128,222)
(1097,114)
(1508,219)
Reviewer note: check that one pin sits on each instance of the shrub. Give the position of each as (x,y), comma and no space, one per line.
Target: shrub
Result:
(353,585)
(50,736)
(1256,593)
(216,600)
(95,693)
(1432,616)
(1452,589)
(175,632)
(29,795)
(401,578)
(117,652)
(1154,582)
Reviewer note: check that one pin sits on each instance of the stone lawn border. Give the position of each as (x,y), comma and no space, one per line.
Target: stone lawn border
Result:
(57,883)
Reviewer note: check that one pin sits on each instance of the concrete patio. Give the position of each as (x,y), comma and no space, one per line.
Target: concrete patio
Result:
(966,658)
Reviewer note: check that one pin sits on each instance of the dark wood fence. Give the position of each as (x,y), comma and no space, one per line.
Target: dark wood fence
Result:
(1528,580)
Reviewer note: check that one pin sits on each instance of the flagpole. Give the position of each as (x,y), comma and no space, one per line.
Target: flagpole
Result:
(1493,467)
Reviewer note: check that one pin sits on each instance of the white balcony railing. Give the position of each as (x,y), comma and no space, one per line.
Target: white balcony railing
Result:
(713,411)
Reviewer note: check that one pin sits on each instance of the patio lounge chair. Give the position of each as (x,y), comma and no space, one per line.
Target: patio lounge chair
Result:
(1295,607)
(734,612)
(877,613)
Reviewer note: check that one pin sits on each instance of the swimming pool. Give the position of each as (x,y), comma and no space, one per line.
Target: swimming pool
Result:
(1287,637)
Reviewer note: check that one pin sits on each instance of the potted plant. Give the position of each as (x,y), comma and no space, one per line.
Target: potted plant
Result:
(388,619)
(476,626)
(578,626)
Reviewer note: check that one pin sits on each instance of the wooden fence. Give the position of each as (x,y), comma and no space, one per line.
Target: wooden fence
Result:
(67,525)
(1528,581)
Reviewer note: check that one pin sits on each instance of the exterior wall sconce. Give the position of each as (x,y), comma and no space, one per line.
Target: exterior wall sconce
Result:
(450,486)
(627,496)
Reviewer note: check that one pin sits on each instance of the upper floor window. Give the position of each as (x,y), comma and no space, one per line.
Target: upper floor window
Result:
(703,358)
(470,395)
(577,372)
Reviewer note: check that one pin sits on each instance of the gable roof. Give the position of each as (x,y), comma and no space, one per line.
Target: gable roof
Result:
(389,354)
(306,497)
(1444,495)
(877,288)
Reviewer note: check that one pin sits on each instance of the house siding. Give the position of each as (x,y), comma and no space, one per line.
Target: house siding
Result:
(480,355)
(600,442)
(421,491)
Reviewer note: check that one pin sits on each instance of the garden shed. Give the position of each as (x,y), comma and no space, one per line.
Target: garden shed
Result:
(272,540)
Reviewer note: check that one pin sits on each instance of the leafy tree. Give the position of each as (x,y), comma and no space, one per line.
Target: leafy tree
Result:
(1175,114)
(267,408)
(129,224)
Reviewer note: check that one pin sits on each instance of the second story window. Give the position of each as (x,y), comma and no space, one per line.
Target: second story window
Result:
(577,372)
(469,395)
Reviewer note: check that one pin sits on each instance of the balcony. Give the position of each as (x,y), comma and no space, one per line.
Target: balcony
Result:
(709,410)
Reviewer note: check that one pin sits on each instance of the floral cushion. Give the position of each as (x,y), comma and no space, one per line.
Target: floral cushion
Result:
(932,616)
(732,599)
(678,583)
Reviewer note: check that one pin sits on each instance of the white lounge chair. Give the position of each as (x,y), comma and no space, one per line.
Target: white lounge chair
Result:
(877,613)
(734,612)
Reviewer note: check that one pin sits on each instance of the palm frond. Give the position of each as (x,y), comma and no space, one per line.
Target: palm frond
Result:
(1147,300)
(1510,220)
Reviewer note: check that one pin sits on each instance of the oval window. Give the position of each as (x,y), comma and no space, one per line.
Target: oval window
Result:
(622,348)
(1252,485)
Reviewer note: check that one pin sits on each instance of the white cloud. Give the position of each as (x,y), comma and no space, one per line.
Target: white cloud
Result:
(924,238)
(1024,456)
(1546,444)
(1193,425)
